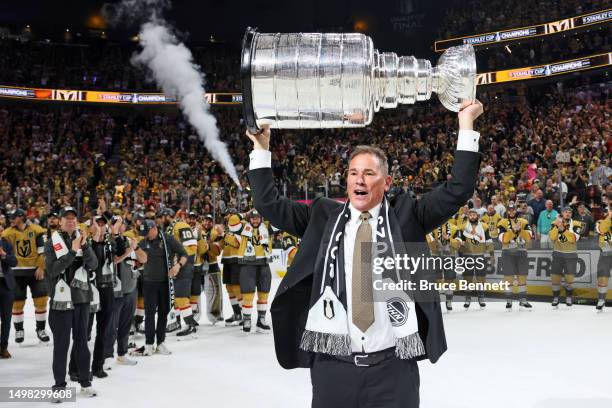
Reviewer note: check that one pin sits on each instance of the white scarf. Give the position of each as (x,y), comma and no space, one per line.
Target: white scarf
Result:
(479,236)
(80,279)
(263,236)
(327,326)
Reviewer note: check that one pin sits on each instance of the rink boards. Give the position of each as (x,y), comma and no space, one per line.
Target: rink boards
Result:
(538,273)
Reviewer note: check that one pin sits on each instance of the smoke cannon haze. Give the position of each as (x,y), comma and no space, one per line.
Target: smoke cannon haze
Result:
(171,64)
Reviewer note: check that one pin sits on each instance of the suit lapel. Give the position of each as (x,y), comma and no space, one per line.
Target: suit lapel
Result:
(294,278)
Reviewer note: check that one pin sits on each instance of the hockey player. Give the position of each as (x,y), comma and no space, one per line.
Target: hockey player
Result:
(461,218)
(231,267)
(603,228)
(564,234)
(476,242)
(255,247)
(515,236)
(204,280)
(181,231)
(290,248)
(213,286)
(445,241)
(492,219)
(107,245)
(211,238)
(196,282)
(124,305)
(28,243)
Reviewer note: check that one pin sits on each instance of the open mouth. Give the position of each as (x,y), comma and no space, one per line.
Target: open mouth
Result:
(361,192)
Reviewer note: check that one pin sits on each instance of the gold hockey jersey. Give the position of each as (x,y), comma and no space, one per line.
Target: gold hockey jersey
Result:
(255,244)
(202,248)
(604,229)
(290,247)
(492,222)
(28,246)
(459,220)
(231,240)
(182,232)
(514,234)
(444,240)
(214,246)
(565,241)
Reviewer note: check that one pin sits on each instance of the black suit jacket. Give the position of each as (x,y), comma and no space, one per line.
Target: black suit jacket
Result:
(9,262)
(417,217)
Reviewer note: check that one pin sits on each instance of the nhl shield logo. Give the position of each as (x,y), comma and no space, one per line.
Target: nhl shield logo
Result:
(398,311)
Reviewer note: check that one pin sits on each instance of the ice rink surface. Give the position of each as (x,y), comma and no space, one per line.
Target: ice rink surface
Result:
(540,359)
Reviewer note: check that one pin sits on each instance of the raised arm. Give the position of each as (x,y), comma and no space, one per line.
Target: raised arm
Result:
(283,213)
(90,260)
(437,206)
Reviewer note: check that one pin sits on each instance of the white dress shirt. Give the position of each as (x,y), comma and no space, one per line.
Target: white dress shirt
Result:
(379,335)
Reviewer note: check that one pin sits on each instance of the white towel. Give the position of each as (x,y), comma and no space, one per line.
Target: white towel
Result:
(59,246)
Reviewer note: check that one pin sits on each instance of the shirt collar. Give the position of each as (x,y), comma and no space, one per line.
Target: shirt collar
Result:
(355,213)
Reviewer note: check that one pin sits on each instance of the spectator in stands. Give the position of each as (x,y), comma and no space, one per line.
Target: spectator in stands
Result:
(544,224)
(537,204)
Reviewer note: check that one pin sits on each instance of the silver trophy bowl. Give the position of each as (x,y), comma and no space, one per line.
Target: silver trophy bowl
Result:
(315,80)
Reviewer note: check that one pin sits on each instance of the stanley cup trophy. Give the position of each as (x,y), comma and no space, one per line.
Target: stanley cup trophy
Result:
(315,80)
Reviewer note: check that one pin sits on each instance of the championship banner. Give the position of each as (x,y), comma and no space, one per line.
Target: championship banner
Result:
(541,71)
(123,97)
(567,24)
(23,93)
(71,95)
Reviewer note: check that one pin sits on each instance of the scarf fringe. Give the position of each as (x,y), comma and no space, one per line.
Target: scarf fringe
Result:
(409,347)
(328,343)
(61,305)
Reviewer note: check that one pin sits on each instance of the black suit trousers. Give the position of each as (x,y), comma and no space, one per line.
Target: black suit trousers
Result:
(394,383)
(62,324)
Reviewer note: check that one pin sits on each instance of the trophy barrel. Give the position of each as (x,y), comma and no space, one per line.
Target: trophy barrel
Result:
(307,80)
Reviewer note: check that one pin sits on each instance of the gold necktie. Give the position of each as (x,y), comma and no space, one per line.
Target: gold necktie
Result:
(362,298)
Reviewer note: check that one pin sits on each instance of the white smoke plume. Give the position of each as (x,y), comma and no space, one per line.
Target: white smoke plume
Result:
(171,64)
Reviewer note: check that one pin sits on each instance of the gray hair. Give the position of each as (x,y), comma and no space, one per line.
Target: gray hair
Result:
(383,163)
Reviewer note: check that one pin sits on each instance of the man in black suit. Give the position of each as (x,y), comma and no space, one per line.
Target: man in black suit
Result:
(361,361)
(7,292)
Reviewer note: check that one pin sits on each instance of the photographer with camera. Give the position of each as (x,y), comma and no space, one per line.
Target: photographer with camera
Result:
(126,292)
(107,244)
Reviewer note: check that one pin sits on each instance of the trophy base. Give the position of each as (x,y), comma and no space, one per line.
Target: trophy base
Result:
(245,78)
